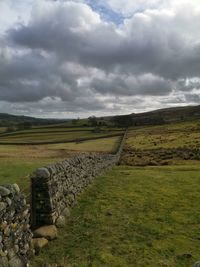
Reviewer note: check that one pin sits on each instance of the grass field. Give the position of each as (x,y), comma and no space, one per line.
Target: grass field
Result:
(2,129)
(55,135)
(18,171)
(133,216)
(52,137)
(108,145)
(166,136)
(53,128)
(129,217)
(17,162)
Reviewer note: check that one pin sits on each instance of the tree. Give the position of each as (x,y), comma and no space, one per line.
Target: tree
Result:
(123,121)
(74,121)
(93,121)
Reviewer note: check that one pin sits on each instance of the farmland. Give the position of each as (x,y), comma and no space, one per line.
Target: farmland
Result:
(137,215)
(18,161)
(56,135)
(176,143)
(166,136)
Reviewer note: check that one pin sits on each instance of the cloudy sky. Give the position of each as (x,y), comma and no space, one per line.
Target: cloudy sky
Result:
(86,57)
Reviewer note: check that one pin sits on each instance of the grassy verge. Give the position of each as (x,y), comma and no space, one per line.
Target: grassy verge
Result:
(133,217)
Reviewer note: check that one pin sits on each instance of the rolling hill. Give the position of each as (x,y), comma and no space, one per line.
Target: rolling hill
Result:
(9,119)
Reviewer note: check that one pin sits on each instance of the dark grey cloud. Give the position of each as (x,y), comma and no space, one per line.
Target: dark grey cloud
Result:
(132,85)
(149,42)
(67,58)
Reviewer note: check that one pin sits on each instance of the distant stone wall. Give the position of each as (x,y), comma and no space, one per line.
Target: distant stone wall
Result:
(15,234)
(54,188)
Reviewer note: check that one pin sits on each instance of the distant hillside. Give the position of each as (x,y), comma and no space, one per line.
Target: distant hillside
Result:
(158,117)
(154,117)
(12,120)
(168,114)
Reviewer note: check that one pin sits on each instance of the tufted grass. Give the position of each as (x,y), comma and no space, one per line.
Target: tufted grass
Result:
(133,216)
(166,136)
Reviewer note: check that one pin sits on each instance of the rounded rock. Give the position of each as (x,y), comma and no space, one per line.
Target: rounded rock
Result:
(49,232)
(4,191)
(61,221)
(197,264)
(16,188)
(2,206)
(8,201)
(39,243)
(66,212)
(42,173)
(16,261)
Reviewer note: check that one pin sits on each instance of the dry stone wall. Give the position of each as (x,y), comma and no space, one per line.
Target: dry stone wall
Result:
(15,233)
(56,187)
(54,190)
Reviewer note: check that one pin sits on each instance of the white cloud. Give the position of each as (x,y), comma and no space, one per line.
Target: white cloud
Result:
(129,7)
(65,58)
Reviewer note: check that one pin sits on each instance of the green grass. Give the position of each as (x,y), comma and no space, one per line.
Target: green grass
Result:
(17,162)
(18,171)
(50,129)
(2,129)
(100,145)
(166,136)
(133,216)
(49,136)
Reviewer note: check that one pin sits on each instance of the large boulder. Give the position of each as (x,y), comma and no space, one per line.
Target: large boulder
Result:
(49,232)
(39,243)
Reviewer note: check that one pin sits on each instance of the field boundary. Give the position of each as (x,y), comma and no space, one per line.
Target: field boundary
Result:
(55,187)
(62,141)
(4,134)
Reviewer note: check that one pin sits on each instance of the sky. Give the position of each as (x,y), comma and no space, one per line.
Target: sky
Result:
(77,58)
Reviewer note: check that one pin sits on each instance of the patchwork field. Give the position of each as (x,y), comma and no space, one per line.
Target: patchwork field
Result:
(132,216)
(56,135)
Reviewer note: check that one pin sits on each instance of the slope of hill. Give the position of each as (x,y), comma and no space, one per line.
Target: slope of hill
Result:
(159,116)
(168,115)
(8,120)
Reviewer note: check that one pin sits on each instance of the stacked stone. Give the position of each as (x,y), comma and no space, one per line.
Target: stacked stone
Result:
(121,146)
(15,234)
(55,187)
